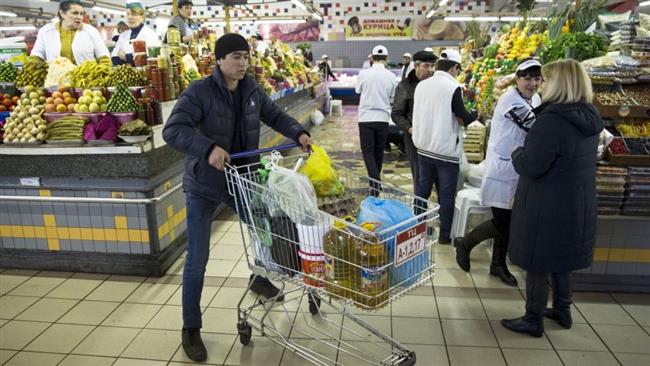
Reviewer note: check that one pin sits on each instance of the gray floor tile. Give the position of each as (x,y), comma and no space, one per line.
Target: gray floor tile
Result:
(468,333)
(587,358)
(531,357)
(461,356)
(624,338)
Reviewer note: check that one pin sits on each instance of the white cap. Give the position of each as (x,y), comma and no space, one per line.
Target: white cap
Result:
(407,55)
(429,49)
(451,55)
(380,51)
(528,64)
(324,56)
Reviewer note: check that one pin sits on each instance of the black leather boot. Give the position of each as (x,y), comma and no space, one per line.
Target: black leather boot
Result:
(498,266)
(193,345)
(532,323)
(561,311)
(465,244)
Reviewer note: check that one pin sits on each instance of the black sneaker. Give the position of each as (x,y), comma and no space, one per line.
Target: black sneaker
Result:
(193,345)
(262,286)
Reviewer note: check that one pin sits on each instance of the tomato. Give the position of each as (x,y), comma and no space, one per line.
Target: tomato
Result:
(7,103)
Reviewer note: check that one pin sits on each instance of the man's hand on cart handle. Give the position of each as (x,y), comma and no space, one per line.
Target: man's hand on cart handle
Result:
(218,158)
(306,142)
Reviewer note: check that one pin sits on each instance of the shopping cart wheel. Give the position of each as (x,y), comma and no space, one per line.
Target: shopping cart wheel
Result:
(245,331)
(314,304)
(409,361)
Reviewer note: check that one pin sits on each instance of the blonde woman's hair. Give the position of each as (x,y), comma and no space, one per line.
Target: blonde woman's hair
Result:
(137,11)
(566,81)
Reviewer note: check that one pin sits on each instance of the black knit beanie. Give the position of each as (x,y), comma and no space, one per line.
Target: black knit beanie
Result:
(228,43)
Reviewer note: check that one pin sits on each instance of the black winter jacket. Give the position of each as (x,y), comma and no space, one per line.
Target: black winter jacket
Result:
(402,111)
(203,117)
(553,225)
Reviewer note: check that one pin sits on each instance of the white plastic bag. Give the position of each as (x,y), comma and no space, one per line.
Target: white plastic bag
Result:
(292,194)
(317,117)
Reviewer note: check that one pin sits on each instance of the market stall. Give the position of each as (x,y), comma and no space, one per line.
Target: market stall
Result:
(86,181)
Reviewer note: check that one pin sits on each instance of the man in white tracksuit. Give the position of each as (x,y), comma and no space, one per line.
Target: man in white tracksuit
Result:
(377,88)
(438,116)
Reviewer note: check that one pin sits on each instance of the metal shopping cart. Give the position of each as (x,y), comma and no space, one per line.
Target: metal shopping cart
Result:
(331,270)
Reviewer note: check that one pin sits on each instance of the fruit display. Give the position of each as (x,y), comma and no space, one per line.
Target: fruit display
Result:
(8,103)
(91,101)
(60,101)
(639,93)
(191,75)
(578,46)
(126,74)
(66,129)
(8,72)
(614,98)
(634,130)
(122,100)
(59,73)
(617,147)
(135,128)
(90,74)
(25,124)
(32,73)
(281,69)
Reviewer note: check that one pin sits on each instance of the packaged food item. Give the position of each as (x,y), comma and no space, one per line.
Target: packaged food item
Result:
(139,46)
(372,276)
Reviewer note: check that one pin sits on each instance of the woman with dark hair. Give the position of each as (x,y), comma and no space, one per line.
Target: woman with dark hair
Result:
(121,27)
(123,51)
(70,37)
(513,117)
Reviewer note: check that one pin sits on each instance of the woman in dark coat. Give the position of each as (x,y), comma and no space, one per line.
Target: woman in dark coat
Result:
(553,225)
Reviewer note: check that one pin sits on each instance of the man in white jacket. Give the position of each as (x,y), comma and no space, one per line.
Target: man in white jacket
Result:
(438,116)
(377,88)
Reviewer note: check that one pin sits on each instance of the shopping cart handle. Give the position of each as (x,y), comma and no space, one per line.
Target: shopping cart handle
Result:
(245,154)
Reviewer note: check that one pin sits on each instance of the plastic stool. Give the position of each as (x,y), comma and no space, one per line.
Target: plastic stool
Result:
(336,104)
(468,202)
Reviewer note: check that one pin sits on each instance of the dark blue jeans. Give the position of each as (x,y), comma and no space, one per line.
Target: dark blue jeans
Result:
(445,177)
(199,219)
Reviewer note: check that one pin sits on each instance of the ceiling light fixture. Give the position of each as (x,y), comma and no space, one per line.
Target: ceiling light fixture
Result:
(18,27)
(8,14)
(317,16)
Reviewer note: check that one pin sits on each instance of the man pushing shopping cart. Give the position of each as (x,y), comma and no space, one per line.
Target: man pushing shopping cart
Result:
(215,117)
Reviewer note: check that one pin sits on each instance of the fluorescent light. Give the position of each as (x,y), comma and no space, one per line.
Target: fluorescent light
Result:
(469,19)
(431,12)
(536,18)
(18,27)
(8,14)
(317,16)
(299,4)
(645,3)
(443,2)
(510,19)
(102,9)
(458,19)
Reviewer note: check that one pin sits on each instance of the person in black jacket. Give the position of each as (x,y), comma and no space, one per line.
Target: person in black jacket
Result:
(402,111)
(553,225)
(214,117)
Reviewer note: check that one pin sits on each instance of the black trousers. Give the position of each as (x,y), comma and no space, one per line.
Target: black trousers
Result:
(537,285)
(373,137)
(412,154)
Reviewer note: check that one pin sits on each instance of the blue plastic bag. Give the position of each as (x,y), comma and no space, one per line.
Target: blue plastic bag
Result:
(390,212)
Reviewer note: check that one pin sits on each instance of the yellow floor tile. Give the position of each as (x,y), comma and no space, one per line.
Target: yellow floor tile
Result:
(17,334)
(169,317)
(61,338)
(138,362)
(78,360)
(452,278)
(132,315)
(112,291)
(10,306)
(152,293)
(261,351)
(9,282)
(218,320)
(229,252)
(35,358)
(5,355)
(74,288)
(89,312)
(36,286)
(166,344)
(106,341)
(219,267)
(47,310)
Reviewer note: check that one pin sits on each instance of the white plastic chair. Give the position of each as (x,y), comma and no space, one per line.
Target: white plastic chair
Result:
(468,202)
(336,104)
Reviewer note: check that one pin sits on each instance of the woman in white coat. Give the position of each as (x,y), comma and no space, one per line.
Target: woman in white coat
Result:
(513,117)
(70,37)
(123,51)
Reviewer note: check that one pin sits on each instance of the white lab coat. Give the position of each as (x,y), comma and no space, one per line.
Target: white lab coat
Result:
(500,178)
(124,42)
(87,44)
(377,88)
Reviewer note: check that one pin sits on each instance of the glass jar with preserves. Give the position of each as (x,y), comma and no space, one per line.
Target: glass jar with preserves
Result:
(140,59)
(139,46)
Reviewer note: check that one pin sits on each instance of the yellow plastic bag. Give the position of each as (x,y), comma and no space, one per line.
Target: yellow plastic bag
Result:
(318,168)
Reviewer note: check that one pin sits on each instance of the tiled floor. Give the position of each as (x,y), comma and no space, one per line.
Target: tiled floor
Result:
(51,318)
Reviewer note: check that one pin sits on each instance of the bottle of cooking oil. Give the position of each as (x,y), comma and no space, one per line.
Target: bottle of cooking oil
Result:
(372,280)
(339,253)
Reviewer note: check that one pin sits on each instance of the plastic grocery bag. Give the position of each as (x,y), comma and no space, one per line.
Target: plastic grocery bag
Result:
(292,194)
(322,175)
(261,237)
(390,212)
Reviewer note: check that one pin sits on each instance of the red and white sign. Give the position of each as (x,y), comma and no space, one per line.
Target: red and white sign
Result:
(409,243)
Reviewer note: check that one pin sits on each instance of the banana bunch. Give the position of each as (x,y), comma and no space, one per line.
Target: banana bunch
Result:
(66,128)
(33,73)
(90,74)
(634,130)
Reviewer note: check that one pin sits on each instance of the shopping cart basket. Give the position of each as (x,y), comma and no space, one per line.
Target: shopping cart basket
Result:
(328,264)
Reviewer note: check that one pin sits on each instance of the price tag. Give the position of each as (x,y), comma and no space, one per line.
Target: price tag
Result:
(409,243)
(30,182)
